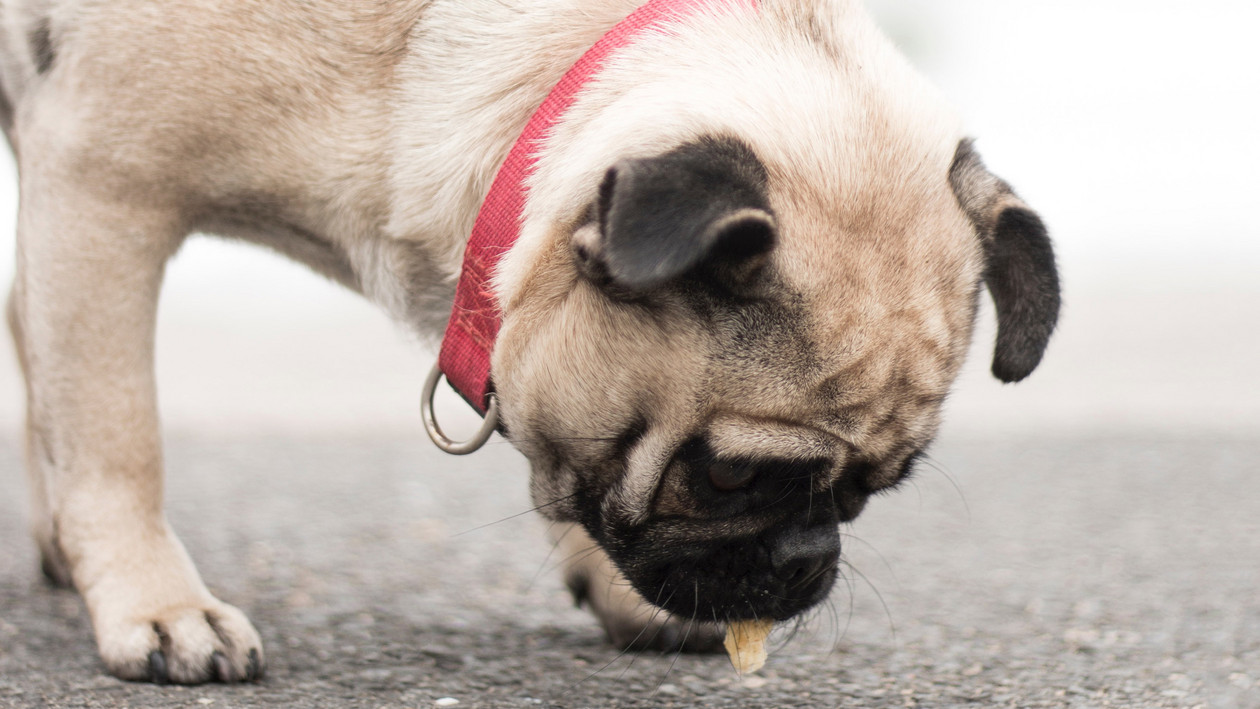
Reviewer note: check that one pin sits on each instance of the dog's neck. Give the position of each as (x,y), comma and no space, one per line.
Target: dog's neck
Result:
(448,144)
(475,317)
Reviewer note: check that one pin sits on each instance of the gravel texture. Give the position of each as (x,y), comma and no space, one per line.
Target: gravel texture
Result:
(1029,572)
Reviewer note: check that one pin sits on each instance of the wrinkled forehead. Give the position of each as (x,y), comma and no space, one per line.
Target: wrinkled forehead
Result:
(864,330)
(827,398)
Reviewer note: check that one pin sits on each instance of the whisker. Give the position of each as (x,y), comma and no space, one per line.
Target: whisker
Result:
(940,468)
(848,621)
(809,508)
(892,625)
(624,651)
(656,613)
(814,576)
(576,557)
(798,624)
(877,552)
(786,494)
(658,609)
(835,626)
(554,546)
(918,491)
(686,634)
(519,514)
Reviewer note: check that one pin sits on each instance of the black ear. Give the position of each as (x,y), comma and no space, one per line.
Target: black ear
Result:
(1021,273)
(699,209)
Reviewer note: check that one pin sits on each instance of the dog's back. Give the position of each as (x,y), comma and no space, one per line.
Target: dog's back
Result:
(224,100)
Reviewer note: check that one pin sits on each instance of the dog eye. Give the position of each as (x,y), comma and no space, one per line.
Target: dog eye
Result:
(728,477)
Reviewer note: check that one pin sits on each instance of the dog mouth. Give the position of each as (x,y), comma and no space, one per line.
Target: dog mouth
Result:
(721,538)
(734,539)
(777,574)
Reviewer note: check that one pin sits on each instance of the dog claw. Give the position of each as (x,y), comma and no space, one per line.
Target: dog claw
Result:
(222,668)
(255,669)
(157,668)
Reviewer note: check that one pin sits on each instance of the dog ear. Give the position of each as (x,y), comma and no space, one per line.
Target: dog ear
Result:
(1021,273)
(698,209)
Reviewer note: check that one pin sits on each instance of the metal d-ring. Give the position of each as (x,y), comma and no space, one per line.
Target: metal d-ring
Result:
(488,425)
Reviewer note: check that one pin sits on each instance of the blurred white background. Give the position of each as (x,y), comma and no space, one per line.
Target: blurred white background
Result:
(1133,128)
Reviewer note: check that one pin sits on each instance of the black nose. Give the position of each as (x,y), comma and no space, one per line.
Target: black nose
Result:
(799,556)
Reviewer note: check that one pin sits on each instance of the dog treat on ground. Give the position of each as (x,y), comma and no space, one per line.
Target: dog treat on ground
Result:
(746,644)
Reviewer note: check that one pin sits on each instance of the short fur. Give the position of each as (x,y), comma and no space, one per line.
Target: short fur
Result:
(707,378)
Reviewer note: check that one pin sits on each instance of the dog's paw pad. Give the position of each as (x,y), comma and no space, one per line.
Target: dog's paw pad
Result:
(186,646)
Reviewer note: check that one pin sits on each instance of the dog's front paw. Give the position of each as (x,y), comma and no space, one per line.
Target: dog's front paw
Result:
(192,644)
(630,622)
(646,628)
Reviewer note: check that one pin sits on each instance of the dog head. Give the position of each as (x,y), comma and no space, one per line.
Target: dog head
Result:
(726,332)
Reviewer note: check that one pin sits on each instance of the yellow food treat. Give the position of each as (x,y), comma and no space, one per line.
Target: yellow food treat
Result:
(746,644)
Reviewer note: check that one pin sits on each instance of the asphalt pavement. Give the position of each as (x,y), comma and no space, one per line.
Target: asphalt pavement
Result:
(1015,571)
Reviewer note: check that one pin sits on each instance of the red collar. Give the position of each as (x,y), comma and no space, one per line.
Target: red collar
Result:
(474,323)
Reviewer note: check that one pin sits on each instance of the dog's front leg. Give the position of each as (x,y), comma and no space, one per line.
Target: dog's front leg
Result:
(630,622)
(83,312)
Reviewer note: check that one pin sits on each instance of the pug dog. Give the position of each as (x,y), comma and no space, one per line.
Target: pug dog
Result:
(748,267)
